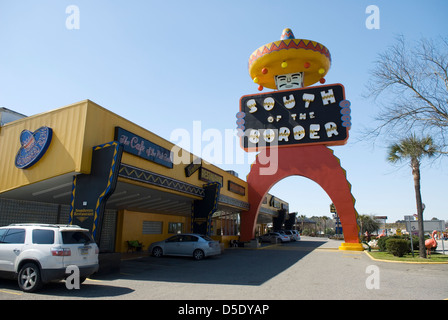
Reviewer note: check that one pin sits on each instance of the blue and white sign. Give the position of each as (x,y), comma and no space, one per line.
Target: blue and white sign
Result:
(143,148)
(34,145)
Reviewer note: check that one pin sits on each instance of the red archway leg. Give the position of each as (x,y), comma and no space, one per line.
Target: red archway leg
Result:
(314,162)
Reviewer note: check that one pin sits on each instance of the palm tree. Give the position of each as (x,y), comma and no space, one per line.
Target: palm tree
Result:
(325,219)
(414,149)
(368,223)
(302,217)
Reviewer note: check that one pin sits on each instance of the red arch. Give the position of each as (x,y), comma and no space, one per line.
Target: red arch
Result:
(315,162)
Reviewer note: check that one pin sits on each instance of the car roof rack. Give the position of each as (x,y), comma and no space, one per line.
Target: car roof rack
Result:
(46,225)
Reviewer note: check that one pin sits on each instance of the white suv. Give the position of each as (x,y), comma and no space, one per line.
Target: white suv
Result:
(39,253)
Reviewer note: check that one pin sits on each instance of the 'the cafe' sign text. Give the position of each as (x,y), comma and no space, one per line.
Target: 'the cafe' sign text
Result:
(311,115)
(143,148)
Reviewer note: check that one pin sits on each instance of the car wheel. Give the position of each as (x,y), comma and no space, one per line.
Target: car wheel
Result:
(157,252)
(29,278)
(198,254)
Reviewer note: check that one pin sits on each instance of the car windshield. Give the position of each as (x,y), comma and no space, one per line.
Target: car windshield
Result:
(76,237)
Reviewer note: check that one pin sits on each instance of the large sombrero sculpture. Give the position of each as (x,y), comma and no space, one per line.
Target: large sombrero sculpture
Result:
(287,56)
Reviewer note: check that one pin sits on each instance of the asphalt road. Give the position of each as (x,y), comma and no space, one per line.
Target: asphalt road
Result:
(309,269)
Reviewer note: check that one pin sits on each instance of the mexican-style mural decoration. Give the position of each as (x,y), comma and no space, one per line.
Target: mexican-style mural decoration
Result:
(289,63)
(298,121)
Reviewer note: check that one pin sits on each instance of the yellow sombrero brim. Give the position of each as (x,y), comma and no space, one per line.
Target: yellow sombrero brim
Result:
(300,55)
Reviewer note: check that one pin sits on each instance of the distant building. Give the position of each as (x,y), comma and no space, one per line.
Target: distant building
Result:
(7,116)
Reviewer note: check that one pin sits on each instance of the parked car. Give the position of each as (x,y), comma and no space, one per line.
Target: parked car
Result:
(274,237)
(297,233)
(293,235)
(282,232)
(187,244)
(36,254)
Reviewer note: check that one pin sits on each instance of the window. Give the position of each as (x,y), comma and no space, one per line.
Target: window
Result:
(174,239)
(2,233)
(175,227)
(189,238)
(207,238)
(152,227)
(75,237)
(43,236)
(15,236)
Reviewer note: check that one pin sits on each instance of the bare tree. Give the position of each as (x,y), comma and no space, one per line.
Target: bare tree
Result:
(410,85)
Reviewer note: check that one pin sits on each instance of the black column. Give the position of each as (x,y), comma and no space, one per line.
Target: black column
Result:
(91,191)
(277,222)
(202,211)
(289,224)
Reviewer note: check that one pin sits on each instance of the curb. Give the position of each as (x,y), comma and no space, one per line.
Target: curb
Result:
(409,262)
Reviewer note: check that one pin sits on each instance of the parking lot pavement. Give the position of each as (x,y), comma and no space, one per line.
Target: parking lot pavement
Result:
(309,269)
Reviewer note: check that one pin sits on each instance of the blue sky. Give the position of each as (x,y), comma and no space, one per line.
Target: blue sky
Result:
(167,65)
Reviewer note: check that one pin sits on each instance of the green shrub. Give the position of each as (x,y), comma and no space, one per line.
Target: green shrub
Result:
(383,241)
(382,244)
(414,242)
(397,247)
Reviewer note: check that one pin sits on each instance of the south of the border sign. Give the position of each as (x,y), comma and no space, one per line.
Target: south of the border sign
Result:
(311,115)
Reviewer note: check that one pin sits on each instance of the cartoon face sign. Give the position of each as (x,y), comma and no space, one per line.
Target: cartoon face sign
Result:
(289,81)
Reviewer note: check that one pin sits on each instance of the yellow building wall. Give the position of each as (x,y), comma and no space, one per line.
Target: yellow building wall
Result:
(77,128)
(100,128)
(224,231)
(130,227)
(63,155)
